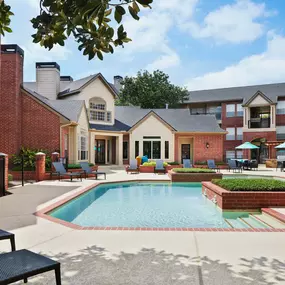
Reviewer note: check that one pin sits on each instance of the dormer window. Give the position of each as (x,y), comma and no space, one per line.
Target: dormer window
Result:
(98,112)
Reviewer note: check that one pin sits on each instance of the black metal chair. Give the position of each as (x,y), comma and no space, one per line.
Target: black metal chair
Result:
(6,235)
(253,164)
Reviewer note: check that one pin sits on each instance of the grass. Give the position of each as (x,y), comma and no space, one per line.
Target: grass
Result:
(257,185)
(192,170)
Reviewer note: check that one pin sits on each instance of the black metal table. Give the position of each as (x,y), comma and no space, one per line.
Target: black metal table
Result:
(10,236)
(22,264)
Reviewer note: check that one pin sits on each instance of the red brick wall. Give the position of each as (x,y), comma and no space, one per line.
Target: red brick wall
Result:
(11,76)
(40,126)
(250,136)
(200,151)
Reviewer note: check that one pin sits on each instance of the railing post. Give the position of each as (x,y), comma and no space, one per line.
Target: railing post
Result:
(3,174)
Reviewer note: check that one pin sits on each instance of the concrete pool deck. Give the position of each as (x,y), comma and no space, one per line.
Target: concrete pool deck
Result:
(130,257)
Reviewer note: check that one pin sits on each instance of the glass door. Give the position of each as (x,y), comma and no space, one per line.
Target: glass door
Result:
(100,154)
(185,152)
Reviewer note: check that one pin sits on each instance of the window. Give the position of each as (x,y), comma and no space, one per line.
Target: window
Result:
(280,132)
(137,148)
(239,154)
(154,138)
(231,134)
(230,110)
(280,108)
(156,149)
(239,110)
(166,150)
(125,150)
(230,154)
(239,134)
(147,149)
(83,145)
(109,118)
(98,112)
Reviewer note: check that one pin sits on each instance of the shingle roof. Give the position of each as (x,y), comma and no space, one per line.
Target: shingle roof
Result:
(179,119)
(70,109)
(272,91)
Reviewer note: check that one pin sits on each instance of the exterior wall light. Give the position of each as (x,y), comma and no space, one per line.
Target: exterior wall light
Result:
(207,145)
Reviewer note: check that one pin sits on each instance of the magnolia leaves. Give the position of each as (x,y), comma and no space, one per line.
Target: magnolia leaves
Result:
(5,14)
(89,22)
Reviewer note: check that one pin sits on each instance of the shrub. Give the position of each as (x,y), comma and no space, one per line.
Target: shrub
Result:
(10,177)
(240,184)
(76,166)
(192,170)
(153,163)
(173,163)
(29,159)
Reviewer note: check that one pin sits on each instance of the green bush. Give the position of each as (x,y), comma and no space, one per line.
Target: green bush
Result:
(153,163)
(29,159)
(240,184)
(174,163)
(10,177)
(76,166)
(192,170)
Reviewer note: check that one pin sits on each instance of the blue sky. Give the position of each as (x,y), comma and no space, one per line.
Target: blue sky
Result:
(201,44)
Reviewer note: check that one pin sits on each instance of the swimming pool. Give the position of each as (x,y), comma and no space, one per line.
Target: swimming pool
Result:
(154,205)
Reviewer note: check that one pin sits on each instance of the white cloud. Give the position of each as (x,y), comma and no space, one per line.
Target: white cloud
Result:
(261,68)
(235,23)
(169,59)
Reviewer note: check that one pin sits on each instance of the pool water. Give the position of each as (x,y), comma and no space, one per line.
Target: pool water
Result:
(156,205)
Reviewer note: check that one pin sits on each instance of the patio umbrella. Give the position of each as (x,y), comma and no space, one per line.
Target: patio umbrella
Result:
(281,145)
(247,145)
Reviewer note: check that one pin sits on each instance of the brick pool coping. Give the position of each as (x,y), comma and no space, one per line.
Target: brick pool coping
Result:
(43,213)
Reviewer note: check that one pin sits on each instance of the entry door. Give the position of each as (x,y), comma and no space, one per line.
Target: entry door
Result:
(185,152)
(100,155)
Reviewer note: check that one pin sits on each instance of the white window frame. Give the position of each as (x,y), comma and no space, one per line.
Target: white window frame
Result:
(239,134)
(82,147)
(280,110)
(98,111)
(232,156)
(239,110)
(230,110)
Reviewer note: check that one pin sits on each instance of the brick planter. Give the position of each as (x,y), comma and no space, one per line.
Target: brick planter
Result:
(193,177)
(228,200)
(146,169)
(170,167)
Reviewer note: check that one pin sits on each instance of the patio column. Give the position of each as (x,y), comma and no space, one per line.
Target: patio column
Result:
(55,156)
(119,149)
(40,166)
(91,148)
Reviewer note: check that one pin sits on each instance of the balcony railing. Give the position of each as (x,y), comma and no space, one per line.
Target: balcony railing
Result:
(259,123)
(218,115)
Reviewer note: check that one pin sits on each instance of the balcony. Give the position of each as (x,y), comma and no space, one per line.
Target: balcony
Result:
(218,115)
(259,123)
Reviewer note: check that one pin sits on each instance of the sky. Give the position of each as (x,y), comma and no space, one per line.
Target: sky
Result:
(201,44)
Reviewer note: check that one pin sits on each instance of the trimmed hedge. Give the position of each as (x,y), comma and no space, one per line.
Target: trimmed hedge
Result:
(192,170)
(205,163)
(153,163)
(239,184)
(76,166)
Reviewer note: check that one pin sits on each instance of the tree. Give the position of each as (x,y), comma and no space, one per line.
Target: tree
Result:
(88,21)
(150,90)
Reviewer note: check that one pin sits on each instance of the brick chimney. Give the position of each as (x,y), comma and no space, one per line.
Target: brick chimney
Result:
(48,79)
(118,82)
(11,77)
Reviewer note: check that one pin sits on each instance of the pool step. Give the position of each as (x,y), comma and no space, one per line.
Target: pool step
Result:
(237,224)
(269,220)
(254,223)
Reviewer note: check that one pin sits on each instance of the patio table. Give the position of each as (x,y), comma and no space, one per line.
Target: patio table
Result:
(22,264)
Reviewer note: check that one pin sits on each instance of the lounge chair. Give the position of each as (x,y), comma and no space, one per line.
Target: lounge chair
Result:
(212,165)
(233,166)
(159,166)
(133,167)
(88,170)
(60,171)
(187,163)
(22,264)
(6,235)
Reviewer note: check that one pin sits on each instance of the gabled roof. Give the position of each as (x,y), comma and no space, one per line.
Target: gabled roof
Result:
(258,93)
(179,119)
(272,91)
(69,109)
(75,87)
